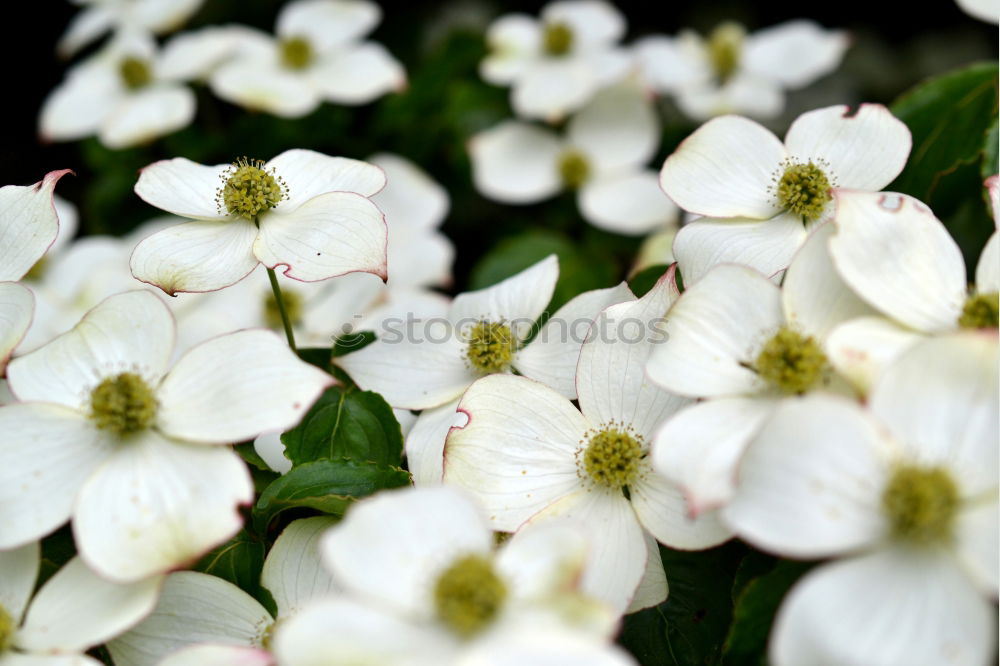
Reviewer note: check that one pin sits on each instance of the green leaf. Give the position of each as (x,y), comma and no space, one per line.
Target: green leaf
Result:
(250,455)
(57,549)
(239,561)
(343,423)
(352,342)
(989,166)
(325,485)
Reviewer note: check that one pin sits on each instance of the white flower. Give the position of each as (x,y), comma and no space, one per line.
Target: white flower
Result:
(119,95)
(195,55)
(733,72)
(106,435)
(556,64)
(199,609)
(984,10)
(424,584)
(73,611)
(318,55)
(768,194)
(892,251)
(29,224)
(603,157)
(906,494)
(746,346)
(531,457)
(101,16)
(17,308)
(303,210)
(429,364)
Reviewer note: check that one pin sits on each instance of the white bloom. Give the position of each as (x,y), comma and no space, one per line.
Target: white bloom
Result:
(761,196)
(119,95)
(102,16)
(906,494)
(738,340)
(603,156)
(531,457)
(17,307)
(73,611)
(733,72)
(556,64)
(984,10)
(195,55)
(106,435)
(29,224)
(318,55)
(303,210)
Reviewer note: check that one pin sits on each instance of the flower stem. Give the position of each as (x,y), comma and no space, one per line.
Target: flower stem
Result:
(285,321)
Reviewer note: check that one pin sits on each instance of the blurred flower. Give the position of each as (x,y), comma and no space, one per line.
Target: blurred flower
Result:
(556,64)
(984,10)
(101,16)
(318,55)
(29,224)
(17,307)
(733,72)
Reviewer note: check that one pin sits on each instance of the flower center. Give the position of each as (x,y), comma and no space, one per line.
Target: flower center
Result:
(804,190)
(123,404)
(293,307)
(724,46)
(6,630)
(296,52)
(557,39)
(921,504)
(248,189)
(574,169)
(980,311)
(612,458)
(135,72)
(468,595)
(491,346)
(791,362)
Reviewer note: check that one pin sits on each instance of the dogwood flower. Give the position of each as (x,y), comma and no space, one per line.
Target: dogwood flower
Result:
(531,457)
(29,224)
(199,609)
(317,55)
(760,197)
(119,95)
(424,584)
(602,157)
(17,307)
(905,493)
(101,16)
(73,611)
(746,346)
(303,210)
(556,64)
(733,72)
(103,433)
(984,10)
(901,259)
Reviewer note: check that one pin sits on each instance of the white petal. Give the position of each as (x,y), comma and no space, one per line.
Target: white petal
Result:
(195,55)
(766,246)
(420,259)
(862,348)
(897,256)
(552,88)
(293,572)
(656,250)
(988,268)
(309,174)
(669,63)
(390,548)
(939,400)
(794,53)
(618,129)
(653,588)
(18,573)
(329,235)
(236,386)
(359,75)
(978,543)
(147,115)
(725,169)
(553,354)
(513,40)
(156,505)
(611,375)
(539,563)
(630,203)
(183,187)
(425,443)
(713,330)
(814,297)
(699,448)
(325,24)
(19,659)
(519,300)
(984,10)
(261,86)
(891,607)
(85,27)
(517,454)
(663,510)
(76,609)
(411,198)
(48,453)
(544,645)
(193,607)
(130,332)
(271,449)
(17,307)
(744,93)
(218,655)
(811,482)
(516,163)
(196,256)
(78,106)
(159,16)
(864,151)
(592,22)
(28,224)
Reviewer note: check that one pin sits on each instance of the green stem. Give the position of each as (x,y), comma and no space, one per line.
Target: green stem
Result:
(285,321)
